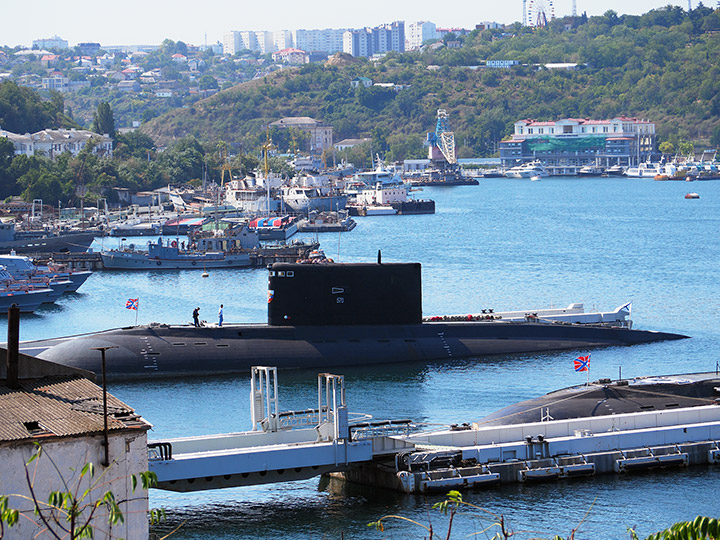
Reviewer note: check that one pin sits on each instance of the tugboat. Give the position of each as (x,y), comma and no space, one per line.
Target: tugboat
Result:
(172,255)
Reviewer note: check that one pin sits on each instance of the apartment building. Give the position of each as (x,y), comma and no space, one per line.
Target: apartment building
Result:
(418,33)
(380,39)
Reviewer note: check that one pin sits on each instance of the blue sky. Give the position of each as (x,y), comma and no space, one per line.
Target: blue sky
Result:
(151,21)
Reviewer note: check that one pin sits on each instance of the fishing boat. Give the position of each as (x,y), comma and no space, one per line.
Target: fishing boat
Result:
(23,268)
(27,296)
(274,227)
(171,255)
(43,240)
(382,192)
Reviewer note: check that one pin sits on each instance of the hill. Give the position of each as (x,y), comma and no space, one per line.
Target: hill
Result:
(662,66)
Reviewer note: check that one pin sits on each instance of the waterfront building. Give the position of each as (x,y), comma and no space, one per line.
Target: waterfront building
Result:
(55,42)
(321,135)
(380,39)
(567,145)
(418,33)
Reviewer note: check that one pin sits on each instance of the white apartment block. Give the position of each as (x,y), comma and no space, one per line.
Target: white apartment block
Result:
(260,41)
(283,39)
(418,33)
(54,42)
(329,40)
(370,41)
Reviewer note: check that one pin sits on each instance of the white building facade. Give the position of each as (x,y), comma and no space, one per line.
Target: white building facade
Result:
(418,33)
(328,40)
(566,145)
(370,41)
(54,142)
(65,416)
(55,42)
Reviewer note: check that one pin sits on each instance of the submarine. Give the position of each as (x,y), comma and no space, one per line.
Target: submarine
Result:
(334,315)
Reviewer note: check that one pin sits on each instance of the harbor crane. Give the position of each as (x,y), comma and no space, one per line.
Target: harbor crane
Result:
(442,142)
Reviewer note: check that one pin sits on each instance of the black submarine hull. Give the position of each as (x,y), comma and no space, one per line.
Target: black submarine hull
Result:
(607,397)
(161,350)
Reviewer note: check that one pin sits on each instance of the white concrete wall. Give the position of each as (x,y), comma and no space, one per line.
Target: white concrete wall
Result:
(128,456)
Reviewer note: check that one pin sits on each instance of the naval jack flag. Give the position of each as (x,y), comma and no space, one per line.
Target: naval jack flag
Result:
(582,363)
(133,303)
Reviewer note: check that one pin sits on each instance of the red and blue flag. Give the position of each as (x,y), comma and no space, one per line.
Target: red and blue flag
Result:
(582,363)
(132,303)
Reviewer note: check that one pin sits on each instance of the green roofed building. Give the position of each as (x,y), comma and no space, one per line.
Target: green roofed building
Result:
(568,145)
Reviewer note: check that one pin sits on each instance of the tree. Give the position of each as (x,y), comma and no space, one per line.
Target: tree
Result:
(715,139)
(103,121)
(666,147)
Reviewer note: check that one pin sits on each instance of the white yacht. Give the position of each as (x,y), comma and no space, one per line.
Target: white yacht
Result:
(651,170)
(528,170)
(250,198)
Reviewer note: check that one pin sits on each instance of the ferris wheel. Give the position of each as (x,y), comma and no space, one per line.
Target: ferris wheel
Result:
(540,12)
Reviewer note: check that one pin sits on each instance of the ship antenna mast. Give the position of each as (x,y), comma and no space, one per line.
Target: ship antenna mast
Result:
(266,148)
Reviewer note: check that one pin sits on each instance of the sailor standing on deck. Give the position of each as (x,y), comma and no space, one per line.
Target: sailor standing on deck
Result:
(220,315)
(196,315)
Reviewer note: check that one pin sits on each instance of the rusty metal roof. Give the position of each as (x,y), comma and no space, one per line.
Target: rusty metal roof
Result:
(60,407)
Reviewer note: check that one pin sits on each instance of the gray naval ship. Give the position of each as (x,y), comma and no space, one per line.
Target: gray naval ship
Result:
(334,315)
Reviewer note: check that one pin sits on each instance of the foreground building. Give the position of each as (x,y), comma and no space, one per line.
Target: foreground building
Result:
(567,145)
(59,408)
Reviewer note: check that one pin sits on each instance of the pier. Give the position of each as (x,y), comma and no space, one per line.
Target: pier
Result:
(282,446)
(296,445)
(259,258)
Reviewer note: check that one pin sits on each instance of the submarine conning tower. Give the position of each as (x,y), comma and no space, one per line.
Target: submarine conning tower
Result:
(344,293)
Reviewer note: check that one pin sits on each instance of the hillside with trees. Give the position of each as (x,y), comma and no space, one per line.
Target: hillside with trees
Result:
(663,66)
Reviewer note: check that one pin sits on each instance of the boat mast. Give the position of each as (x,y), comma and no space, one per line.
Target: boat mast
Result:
(266,148)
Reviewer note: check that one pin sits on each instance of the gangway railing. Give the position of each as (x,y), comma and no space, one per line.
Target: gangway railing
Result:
(281,446)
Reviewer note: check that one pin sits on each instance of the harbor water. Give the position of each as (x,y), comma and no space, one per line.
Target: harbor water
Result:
(507,245)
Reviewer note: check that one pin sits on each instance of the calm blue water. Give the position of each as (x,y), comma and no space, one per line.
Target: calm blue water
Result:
(505,244)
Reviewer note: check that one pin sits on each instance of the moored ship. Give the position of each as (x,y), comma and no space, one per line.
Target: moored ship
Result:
(330,315)
(170,255)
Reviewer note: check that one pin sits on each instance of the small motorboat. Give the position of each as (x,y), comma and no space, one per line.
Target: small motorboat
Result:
(692,196)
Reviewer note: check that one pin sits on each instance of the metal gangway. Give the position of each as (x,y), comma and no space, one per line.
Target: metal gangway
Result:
(280,447)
